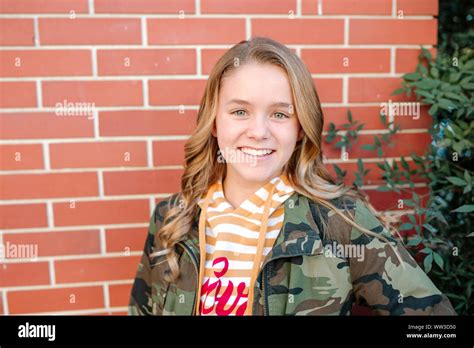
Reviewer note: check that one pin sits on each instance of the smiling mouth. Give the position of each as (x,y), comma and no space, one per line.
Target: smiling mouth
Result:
(257,153)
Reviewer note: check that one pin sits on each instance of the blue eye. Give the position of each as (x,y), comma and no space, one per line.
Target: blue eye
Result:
(235,112)
(282,114)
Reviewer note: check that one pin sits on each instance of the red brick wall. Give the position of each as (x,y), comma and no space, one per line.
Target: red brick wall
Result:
(82,188)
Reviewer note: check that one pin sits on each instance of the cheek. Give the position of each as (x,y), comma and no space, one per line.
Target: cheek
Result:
(227,133)
(287,137)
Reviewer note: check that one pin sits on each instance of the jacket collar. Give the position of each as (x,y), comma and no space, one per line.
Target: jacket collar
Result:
(300,235)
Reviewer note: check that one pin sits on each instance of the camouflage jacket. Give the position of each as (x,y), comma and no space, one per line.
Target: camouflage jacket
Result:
(304,273)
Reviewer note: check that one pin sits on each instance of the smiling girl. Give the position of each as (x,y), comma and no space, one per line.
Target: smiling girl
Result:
(260,227)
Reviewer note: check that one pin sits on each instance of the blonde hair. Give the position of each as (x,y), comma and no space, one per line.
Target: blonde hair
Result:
(304,169)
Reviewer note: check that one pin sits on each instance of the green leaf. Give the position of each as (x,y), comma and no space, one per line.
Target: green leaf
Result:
(430,228)
(425,94)
(469,289)
(434,72)
(404,164)
(399,91)
(428,84)
(428,262)
(412,76)
(433,109)
(349,115)
(339,172)
(383,188)
(439,260)
(454,96)
(468,66)
(453,78)
(426,251)
(414,241)
(456,181)
(446,104)
(468,86)
(368,147)
(360,165)
(467,208)
(467,176)
(405,226)
(425,53)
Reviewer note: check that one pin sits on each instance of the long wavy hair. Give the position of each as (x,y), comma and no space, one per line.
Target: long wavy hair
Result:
(304,169)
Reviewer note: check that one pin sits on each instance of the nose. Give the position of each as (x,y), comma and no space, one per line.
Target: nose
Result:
(258,127)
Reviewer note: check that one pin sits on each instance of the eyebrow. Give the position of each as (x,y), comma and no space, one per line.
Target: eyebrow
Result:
(245,102)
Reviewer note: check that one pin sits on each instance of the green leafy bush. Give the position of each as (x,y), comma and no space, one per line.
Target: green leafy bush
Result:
(440,224)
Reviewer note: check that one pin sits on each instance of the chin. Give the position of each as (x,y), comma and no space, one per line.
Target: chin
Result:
(256,174)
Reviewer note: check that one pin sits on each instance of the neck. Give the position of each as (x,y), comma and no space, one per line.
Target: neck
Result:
(237,190)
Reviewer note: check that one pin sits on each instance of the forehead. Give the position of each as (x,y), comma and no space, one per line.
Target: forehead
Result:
(256,83)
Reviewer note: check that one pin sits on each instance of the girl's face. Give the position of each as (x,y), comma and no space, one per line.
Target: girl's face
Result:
(256,126)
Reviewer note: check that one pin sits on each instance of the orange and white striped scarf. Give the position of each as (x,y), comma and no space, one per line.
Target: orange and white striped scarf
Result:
(234,243)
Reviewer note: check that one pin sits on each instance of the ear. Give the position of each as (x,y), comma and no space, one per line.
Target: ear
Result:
(300,134)
(214,129)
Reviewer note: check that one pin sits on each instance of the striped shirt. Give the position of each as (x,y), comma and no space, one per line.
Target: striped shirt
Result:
(232,245)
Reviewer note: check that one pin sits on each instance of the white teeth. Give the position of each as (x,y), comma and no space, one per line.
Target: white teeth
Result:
(254,152)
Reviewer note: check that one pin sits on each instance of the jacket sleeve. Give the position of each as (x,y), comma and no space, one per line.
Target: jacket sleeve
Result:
(140,299)
(386,284)
(148,289)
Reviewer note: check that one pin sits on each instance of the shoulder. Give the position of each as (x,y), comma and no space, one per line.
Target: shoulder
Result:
(156,221)
(164,205)
(334,222)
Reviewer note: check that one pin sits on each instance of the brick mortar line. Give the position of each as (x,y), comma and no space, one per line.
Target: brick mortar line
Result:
(5,302)
(49,213)
(85,140)
(204,46)
(94,62)
(144,32)
(197,7)
(347,32)
(212,16)
(52,273)
(82,199)
(50,259)
(248,29)
(80,312)
(88,170)
(68,285)
(76,228)
(184,77)
(105,289)
(102,241)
